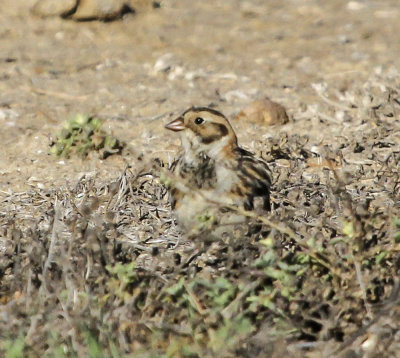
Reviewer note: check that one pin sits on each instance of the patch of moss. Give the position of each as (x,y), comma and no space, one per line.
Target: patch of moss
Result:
(82,134)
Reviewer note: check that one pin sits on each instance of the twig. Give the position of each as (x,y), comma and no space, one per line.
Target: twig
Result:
(227,311)
(332,103)
(53,240)
(195,300)
(328,118)
(362,286)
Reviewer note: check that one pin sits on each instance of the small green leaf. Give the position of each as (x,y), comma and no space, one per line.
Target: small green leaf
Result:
(380,257)
(348,229)
(177,288)
(268,242)
(311,242)
(336,240)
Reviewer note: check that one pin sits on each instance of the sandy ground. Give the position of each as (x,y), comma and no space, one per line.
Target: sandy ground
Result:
(138,72)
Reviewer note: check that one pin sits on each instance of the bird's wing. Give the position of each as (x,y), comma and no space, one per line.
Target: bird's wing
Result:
(255,178)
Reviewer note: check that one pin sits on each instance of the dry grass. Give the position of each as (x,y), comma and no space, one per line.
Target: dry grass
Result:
(100,269)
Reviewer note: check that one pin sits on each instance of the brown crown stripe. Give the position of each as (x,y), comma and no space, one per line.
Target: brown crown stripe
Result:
(204,109)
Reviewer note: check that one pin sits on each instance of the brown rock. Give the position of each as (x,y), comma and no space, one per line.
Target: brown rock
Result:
(90,9)
(98,9)
(265,112)
(46,8)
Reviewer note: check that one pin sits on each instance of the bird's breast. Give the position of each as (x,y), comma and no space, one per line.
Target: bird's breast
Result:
(227,178)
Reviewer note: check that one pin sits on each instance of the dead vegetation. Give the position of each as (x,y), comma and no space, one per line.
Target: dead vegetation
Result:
(99,268)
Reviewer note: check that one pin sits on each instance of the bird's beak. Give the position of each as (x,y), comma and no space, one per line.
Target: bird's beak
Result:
(176,125)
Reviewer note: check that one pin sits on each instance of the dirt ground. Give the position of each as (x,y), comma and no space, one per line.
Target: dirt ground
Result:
(332,64)
(136,72)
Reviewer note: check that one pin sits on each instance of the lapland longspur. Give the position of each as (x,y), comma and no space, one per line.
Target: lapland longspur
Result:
(213,175)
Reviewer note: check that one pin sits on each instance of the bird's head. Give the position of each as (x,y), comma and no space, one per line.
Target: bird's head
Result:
(204,130)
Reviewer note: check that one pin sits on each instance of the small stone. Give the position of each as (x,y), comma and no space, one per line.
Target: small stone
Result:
(355,5)
(98,9)
(165,63)
(81,10)
(47,8)
(265,112)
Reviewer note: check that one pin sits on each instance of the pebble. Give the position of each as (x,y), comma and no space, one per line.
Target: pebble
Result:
(264,112)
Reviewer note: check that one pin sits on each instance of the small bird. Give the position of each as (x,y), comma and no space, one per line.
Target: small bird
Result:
(213,176)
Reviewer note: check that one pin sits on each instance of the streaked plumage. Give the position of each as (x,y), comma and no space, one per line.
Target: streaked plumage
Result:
(213,172)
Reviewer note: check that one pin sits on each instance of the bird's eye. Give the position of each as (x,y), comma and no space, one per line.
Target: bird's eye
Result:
(199,120)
